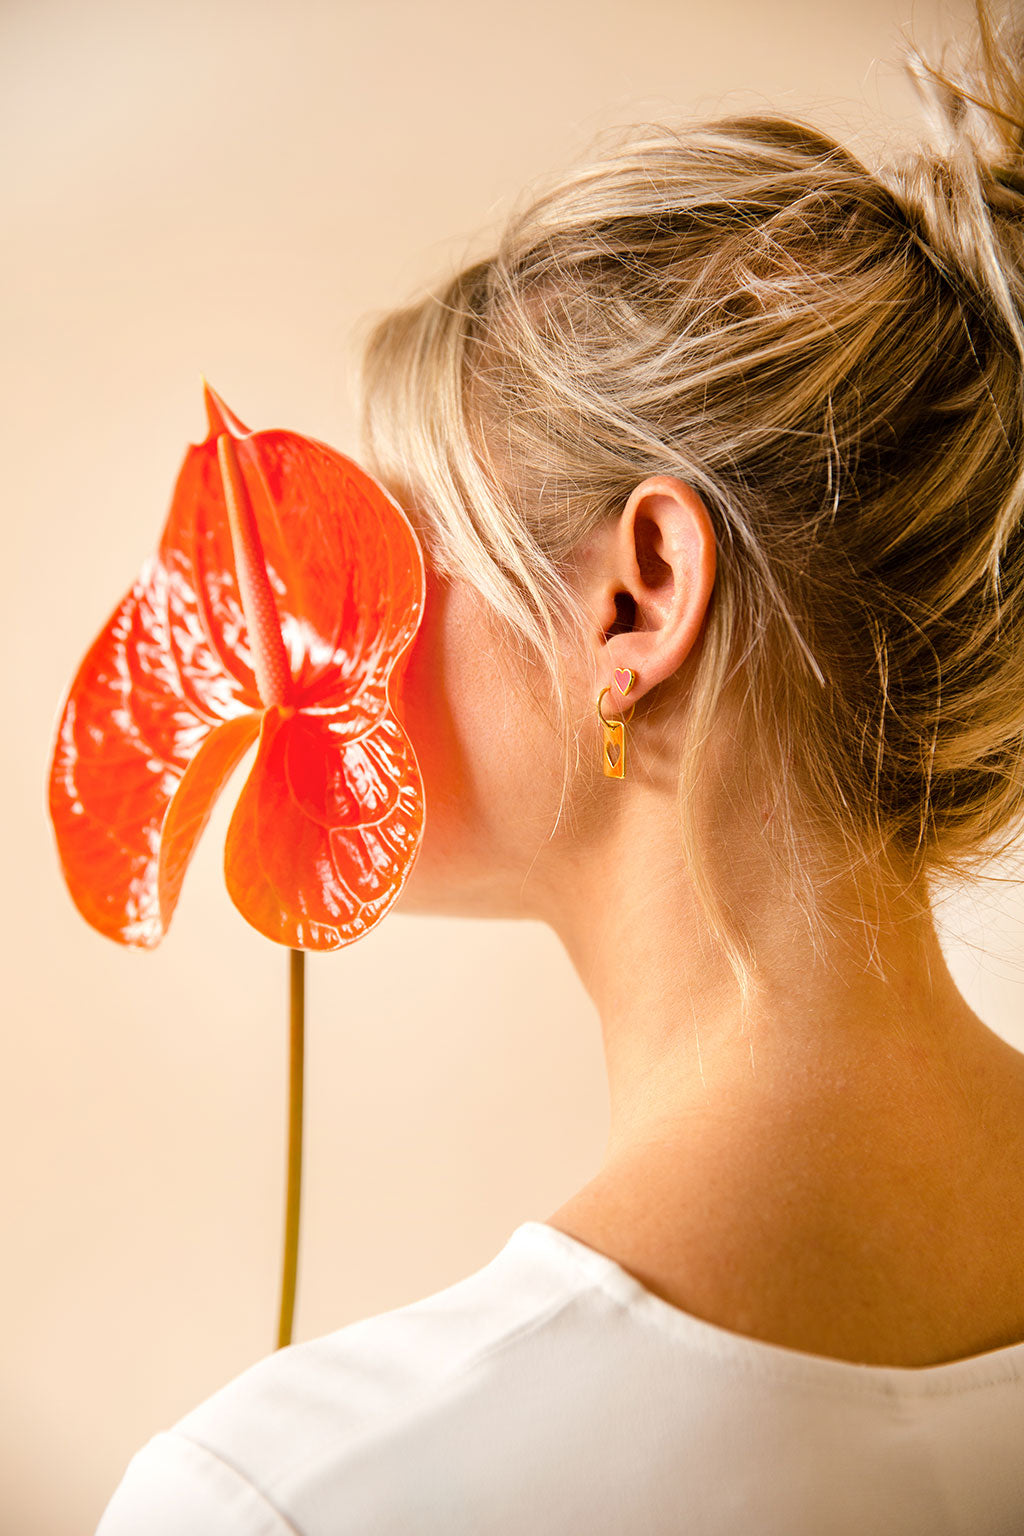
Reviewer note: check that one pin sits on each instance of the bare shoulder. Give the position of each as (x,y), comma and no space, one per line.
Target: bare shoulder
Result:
(887,1242)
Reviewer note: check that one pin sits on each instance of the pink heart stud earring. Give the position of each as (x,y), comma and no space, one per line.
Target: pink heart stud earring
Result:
(613,745)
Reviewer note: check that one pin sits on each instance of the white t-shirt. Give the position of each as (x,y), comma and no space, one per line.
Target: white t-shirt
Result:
(551,1394)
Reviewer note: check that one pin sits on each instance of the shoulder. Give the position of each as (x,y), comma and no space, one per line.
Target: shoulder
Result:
(333,1433)
(174,1485)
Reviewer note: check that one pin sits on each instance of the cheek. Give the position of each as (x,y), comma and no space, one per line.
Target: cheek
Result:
(482,751)
(417,683)
(464,690)
(455,706)
(445,700)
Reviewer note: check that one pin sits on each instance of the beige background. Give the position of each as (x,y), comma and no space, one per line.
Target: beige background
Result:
(195,186)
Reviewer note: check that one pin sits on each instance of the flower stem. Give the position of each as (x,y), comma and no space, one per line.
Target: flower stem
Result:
(297,999)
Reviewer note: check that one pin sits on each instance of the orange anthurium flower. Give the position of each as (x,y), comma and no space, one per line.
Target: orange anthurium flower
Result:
(286,591)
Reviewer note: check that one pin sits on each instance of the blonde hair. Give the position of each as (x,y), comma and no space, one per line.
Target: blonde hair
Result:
(832,357)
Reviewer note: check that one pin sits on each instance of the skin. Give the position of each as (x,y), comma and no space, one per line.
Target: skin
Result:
(842,1172)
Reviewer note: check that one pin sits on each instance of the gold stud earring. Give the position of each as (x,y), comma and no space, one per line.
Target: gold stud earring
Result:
(613,732)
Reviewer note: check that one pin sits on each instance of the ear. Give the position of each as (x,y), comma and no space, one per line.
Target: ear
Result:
(647,576)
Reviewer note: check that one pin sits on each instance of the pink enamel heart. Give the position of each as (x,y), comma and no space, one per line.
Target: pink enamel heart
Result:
(623,679)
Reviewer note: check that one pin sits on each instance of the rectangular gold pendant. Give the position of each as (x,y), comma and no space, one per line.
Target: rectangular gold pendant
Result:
(614,749)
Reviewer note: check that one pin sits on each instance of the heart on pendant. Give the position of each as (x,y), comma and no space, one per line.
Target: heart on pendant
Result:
(613,752)
(624,678)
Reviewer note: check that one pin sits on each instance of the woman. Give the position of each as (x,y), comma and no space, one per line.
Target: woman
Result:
(724,445)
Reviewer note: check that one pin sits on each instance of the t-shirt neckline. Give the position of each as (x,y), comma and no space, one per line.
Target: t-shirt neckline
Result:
(541,1240)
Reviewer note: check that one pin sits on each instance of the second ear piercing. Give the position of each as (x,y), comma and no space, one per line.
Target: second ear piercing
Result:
(613,731)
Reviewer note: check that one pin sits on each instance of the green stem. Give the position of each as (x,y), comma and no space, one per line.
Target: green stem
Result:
(297,998)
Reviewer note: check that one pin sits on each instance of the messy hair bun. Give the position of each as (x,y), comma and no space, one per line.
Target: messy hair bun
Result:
(963,189)
(833,357)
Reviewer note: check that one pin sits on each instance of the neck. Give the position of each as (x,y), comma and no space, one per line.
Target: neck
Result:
(872,1019)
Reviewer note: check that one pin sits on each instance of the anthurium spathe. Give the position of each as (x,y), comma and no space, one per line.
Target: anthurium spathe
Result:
(282,600)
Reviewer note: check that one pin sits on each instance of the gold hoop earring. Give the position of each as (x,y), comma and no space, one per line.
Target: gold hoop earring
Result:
(613,732)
